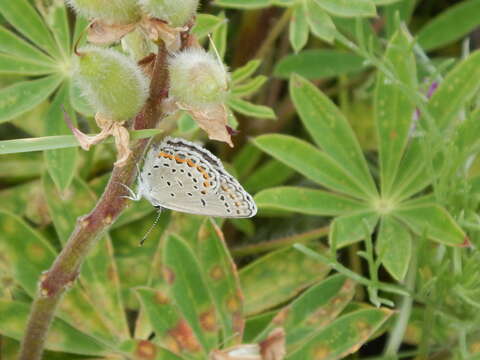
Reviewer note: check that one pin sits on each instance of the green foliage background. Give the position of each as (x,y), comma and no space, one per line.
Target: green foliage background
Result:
(366,179)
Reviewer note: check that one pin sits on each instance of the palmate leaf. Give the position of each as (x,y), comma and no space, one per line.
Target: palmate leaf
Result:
(61,336)
(331,131)
(28,21)
(222,280)
(61,163)
(281,275)
(206,24)
(143,349)
(189,291)
(342,337)
(99,276)
(262,177)
(310,162)
(31,256)
(307,201)
(245,71)
(314,309)
(350,228)
(348,8)
(14,65)
(393,110)
(242,4)
(319,22)
(298,29)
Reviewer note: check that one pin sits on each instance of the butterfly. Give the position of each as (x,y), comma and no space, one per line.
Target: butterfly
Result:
(180,175)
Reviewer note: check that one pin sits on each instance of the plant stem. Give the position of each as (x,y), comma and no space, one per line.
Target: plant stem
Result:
(274,34)
(66,266)
(281,242)
(398,331)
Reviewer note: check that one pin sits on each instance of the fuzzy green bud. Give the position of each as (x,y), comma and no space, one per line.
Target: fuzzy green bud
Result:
(111,82)
(175,12)
(197,78)
(110,11)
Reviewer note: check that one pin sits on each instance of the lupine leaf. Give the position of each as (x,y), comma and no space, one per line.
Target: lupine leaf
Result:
(99,276)
(244,72)
(242,4)
(318,64)
(189,291)
(393,110)
(170,327)
(206,24)
(298,29)
(249,109)
(348,8)
(56,17)
(61,163)
(31,256)
(246,159)
(320,23)
(351,228)
(222,280)
(143,349)
(316,308)
(342,337)
(307,201)
(15,65)
(26,20)
(25,95)
(14,45)
(394,246)
(445,28)
(250,87)
(61,336)
(262,177)
(310,162)
(330,130)
(281,275)
(432,221)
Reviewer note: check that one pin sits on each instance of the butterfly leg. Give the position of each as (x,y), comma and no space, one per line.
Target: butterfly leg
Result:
(131,194)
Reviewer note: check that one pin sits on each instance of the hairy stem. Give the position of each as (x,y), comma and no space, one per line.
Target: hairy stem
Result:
(66,266)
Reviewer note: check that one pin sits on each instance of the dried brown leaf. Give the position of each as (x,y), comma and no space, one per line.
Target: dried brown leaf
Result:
(101,33)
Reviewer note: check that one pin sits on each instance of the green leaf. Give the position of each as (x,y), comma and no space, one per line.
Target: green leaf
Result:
(432,221)
(459,87)
(250,87)
(256,324)
(281,275)
(393,109)
(171,329)
(394,246)
(25,95)
(14,45)
(137,349)
(318,64)
(219,37)
(189,291)
(27,21)
(331,131)
(244,72)
(60,142)
(298,29)
(99,276)
(249,109)
(348,229)
(243,4)
(61,163)
(60,337)
(320,23)
(28,258)
(57,19)
(310,162)
(206,24)
(348,8)
(222,280)
(315,308)
(270,174)
(19,66)
(246,159)
(343,336)
(307,201)
(446,28)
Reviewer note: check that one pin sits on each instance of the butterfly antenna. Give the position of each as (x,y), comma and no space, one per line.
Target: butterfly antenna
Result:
(151,228)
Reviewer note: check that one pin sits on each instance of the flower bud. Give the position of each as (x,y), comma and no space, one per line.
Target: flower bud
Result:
(197,78)
(175,12)
(111,82)
(110,11)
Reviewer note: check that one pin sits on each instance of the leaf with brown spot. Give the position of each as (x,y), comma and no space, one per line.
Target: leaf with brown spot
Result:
(146,350)
(171,329)
(222,280)
(101,33)
(273,347)
(189,291)
(342,337)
